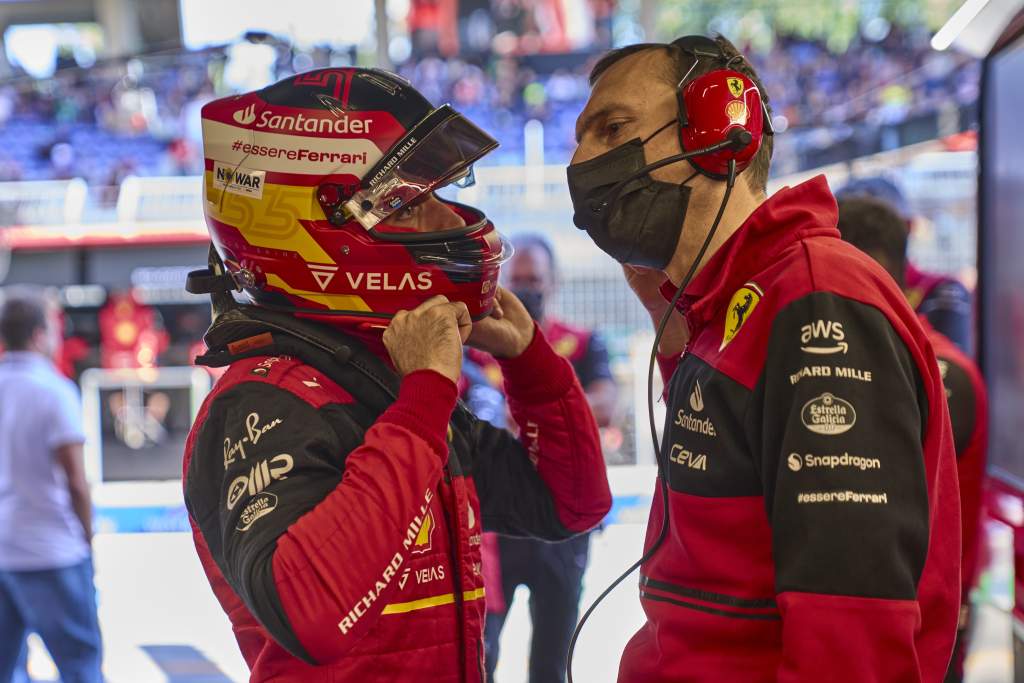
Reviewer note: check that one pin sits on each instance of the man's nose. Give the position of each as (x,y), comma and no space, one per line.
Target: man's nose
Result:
(435,215)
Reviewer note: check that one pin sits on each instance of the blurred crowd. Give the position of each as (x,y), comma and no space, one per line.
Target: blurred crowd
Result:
(140,116)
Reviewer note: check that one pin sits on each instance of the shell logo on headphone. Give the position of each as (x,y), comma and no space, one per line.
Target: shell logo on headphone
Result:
(737,112)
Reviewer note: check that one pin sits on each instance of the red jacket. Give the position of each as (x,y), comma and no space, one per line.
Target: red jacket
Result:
(349,554)
(968,413)
(814,526)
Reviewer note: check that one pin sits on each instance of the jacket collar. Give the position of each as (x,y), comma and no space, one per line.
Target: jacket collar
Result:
(789,215)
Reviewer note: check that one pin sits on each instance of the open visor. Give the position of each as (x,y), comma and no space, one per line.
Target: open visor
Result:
(438,150)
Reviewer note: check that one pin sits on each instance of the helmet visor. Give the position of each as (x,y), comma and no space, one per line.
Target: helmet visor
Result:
(438,150)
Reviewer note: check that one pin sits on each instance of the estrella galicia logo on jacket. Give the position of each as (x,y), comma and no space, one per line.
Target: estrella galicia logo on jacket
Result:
(697,398)
(828,414)
(827,331)
(259,477)
(742,304)
(260,506)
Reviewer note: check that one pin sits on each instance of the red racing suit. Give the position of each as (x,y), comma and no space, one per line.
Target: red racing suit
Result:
(344,545)
(968,413)
(814,528)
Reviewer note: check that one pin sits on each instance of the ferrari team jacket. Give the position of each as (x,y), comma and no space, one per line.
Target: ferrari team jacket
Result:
(814,531)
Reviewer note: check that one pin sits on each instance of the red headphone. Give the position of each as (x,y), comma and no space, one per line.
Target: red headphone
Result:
(713,106)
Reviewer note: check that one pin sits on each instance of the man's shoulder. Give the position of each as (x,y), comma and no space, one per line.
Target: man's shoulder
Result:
(824,264)
(280,374)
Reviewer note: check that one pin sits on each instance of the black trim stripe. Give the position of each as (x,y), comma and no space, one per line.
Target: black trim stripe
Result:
(706,596)
(709,610)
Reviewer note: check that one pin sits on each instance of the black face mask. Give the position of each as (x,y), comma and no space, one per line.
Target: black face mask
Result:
(533,301)
(641,224)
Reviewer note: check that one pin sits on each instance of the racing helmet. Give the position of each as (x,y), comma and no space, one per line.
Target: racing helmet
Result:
(302,185)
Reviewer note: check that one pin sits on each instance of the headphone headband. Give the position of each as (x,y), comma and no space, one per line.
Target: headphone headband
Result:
(696,95)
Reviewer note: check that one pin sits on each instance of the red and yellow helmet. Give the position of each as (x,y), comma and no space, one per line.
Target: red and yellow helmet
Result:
(303,176)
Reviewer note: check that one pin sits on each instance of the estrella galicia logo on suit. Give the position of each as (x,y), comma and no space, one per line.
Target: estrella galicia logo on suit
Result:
(828,414)
(260,506)
(741,306)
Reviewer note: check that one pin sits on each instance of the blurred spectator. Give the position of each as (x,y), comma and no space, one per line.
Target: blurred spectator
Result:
(875,228)
(821,99)
(552,571)
(943,300)
(46,573)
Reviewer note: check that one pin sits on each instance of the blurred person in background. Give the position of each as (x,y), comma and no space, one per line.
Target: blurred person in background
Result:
(46,571)
(877,229)
(553,572)
(941,299)
(808,523)
(337,490)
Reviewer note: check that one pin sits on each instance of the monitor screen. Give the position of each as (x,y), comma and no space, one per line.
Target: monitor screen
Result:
(1001,243)
(137,420)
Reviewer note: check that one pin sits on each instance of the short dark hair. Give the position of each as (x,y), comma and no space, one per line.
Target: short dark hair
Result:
(681,63)
(534,240)
(878,187)
(874,227)
(22,315)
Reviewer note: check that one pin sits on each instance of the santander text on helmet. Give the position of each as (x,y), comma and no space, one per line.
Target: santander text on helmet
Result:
(339,125)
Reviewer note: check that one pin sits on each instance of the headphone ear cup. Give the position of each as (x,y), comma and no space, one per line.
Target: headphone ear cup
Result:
(716,104)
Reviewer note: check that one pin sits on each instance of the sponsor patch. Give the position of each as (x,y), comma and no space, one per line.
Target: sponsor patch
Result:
(694,424)
(259,477)
(735,85)
(260,506)
(798,462)
(742,304)
(697,398)
(823,337)
(239,180)
(687,458)
(349,621)
(737,112)
(828,414)
(323,273)
(881,498)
